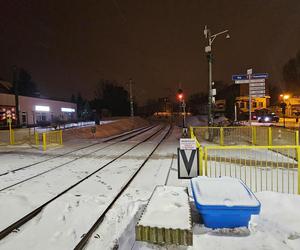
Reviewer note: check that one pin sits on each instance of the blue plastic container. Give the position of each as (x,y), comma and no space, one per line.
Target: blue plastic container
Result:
(224,202)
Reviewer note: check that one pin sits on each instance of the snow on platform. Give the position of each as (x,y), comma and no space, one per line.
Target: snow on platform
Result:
(167,217)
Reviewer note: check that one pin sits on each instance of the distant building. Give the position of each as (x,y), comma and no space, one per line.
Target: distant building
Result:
(242,103)
(34,110)
(292,105)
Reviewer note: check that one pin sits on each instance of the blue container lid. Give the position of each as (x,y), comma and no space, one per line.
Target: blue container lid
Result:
(223,193)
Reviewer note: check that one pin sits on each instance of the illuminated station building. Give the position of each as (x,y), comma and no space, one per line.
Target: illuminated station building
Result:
(35,111)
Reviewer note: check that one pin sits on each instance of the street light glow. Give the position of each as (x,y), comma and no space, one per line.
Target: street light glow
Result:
(285,97)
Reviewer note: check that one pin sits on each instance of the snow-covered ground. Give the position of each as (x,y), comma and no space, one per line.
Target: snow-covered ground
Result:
(62,223)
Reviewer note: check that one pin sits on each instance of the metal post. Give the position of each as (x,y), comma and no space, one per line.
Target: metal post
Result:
(60,137)
(10,133)
(131,98)
(298,163)
(200,161)
(44,142)
(16,92)
(209,56)
(253,135)
(250,99)
(235,113)
(221,136)
(270,139)
(184,114)
(184,128)
(208,50)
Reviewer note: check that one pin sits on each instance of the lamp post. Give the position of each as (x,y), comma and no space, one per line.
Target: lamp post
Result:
(283,106)
(208,50)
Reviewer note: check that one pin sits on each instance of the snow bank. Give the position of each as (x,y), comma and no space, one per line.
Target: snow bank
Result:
(106,130)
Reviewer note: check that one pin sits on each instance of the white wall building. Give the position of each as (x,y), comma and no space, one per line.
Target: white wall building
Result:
(35,110)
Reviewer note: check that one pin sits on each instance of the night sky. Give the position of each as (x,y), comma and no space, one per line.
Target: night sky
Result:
(68,46)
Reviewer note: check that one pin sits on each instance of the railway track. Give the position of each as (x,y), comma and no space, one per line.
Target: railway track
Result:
(27,217)
(126,135)
(57,165)
(98,222)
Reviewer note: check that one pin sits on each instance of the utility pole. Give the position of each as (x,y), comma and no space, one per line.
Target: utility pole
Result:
(131,98)
(249,74)
(15,79)
(208,50)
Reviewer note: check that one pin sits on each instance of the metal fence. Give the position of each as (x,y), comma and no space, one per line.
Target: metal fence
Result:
(31,137)
(49,138)
(260,167)
(265,158)
(17,136)
(248,135)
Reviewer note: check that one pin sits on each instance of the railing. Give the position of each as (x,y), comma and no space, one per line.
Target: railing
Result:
(260,167)
(16,136)
(49,138)
(248,135)
(270,162)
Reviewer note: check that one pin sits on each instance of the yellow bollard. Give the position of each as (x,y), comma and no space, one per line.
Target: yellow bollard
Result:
(297,138)
(221,136)
(298,163)
(200,161)
(205,161)
(270,139)
(253,129)
(11,140)
(36,136)
(12,137)
(60,137)
(191,132)
(44,142)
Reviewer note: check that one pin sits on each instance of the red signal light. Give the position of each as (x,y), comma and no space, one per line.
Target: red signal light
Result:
(180,97)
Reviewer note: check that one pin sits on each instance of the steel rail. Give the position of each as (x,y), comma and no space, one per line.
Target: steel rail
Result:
(36,211)
(86,236)
(143,129)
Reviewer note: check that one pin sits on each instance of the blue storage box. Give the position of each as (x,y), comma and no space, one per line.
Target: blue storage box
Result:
(224,202)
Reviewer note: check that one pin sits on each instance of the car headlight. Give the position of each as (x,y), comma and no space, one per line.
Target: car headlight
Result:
(267,119)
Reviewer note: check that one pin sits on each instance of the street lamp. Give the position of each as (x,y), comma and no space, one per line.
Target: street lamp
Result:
(208,51)
(284,98)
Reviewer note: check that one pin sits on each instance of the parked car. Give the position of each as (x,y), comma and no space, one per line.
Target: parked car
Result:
(271,117)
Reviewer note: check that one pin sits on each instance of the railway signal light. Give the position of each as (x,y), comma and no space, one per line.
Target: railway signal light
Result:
(180,95)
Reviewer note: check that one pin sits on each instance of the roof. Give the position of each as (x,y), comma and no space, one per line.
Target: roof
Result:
(5,87)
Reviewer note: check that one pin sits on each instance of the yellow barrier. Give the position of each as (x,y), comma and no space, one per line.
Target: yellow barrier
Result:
(52,137)
(16,136)
(260,167)
(245,135)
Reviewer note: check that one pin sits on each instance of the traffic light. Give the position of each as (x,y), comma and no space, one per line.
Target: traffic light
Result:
(180,95)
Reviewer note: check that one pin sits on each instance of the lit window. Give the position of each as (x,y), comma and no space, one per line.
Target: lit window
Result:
(70,110)
(42,108)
